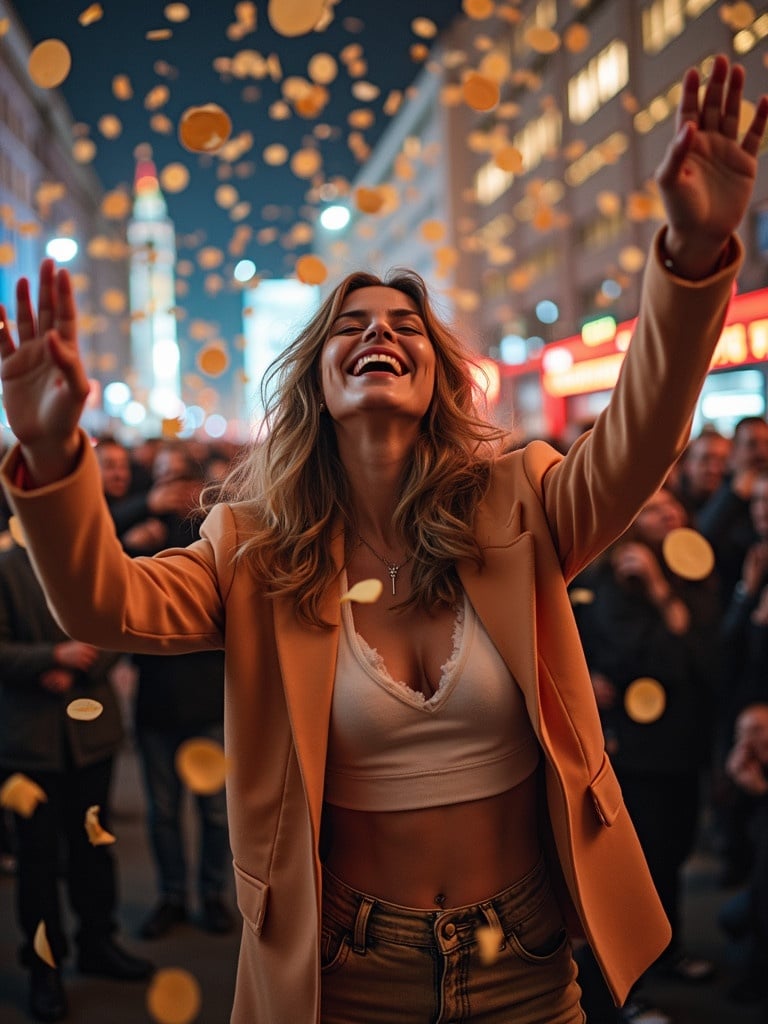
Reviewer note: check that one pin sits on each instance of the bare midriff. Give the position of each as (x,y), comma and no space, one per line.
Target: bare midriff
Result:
(436,857)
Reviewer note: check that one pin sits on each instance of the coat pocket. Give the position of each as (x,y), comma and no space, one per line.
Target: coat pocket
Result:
(251,894)
(606,793)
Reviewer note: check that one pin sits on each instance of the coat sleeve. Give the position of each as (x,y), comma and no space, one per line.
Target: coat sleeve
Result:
(592,494)
(171,603)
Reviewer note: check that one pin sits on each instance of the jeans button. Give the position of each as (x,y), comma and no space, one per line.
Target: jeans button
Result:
(449,930)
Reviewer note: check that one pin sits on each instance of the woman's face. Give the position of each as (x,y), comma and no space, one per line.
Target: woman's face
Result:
(660,514)
(377,358)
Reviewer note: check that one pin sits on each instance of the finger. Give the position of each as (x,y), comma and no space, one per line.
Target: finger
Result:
(688,108)
(713,96)
(46,297)
(677,151)
(66,311)
(754,135)
(68,361)
(25,317)
(729,124)
(7,346)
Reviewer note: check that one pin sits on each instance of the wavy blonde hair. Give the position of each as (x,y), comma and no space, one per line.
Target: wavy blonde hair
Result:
(294,486)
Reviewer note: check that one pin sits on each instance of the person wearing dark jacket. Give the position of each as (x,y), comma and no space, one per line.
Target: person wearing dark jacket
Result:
(41,672)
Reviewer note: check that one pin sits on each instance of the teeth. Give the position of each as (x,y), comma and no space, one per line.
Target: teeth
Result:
(377,357)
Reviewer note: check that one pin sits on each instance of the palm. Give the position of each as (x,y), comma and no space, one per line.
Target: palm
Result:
(36,398)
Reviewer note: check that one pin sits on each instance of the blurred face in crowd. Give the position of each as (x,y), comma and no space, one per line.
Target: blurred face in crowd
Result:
(173,464)
(705,463)
(660,514)
(749,449)
(758,506)
(115,466)
(752,727)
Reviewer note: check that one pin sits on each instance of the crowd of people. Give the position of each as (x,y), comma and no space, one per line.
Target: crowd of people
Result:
(437,789)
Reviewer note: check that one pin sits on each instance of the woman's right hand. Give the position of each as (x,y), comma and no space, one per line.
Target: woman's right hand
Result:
(44,382)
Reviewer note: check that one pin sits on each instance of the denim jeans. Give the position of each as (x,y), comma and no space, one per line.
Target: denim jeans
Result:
(383,963)
(165,795)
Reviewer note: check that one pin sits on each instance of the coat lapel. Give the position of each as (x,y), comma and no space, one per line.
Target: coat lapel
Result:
(308,665)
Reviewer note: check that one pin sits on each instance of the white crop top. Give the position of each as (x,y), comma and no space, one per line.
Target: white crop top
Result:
(391,748)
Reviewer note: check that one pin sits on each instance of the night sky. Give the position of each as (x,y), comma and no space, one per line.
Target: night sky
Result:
(117,44)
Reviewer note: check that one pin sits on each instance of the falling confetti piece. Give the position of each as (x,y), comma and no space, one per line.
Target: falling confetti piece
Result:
(576,38)
(295,17)
(479,92)
(173,996)
(21,795)
(91,15)
(204,129)
(581,595)
(688,553)
(97,835)
(201,765)
(478,10)
(311,269)
(364,592)
(490,942)
(645,700)
(542,40)
(174,177)
(42,946)
(49,63)
(212,360)
(509,158)
(176,12)
(84,709)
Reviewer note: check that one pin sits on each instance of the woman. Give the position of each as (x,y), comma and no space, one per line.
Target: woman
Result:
(377,466)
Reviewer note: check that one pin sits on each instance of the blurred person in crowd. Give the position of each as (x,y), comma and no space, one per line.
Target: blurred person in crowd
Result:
(724,518)
(700,470)
(41,672)
(115,468)
(745,916)
(408,771)
(642,622)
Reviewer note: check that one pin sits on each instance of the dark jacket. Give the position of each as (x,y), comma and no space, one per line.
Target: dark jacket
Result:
(36,733)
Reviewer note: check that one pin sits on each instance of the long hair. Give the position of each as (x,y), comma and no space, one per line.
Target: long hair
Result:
(294,486)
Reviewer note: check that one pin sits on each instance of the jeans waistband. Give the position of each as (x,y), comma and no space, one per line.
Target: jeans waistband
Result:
(367,915)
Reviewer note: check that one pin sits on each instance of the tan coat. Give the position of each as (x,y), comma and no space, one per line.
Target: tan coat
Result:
(542,520)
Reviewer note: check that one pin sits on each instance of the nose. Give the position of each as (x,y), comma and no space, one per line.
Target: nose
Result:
(379,329)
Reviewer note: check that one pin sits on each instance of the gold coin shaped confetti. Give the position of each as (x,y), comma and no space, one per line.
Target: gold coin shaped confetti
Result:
(368,200)
(311,269)
(201,765)
(84,709)
(49,63)
(322,68)
(364,592)
(91,15)
(176,12)
(509,158)
(114,300)
(479,92)
(306,162)
(490,941)
(174,177)
(632,258)
(295,17)
(433,231)
(97,835)
(212,360)
(542,40)
(21,794)
(173,996)
(116,205)
(7,254)
(478,10)
(110,126)
(204,129)
(581,595)
(576,38)
(42,946)
(645,700)
(741,15)
(688,553)
(122,88)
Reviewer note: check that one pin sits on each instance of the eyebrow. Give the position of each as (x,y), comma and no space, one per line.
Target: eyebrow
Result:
(362,314)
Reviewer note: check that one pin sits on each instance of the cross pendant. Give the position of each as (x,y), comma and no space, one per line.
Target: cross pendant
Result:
(393,571)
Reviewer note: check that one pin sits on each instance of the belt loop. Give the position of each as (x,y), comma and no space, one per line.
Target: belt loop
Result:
(361,924)
(489,912)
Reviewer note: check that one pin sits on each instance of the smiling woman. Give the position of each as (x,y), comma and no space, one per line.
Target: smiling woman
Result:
(422,812)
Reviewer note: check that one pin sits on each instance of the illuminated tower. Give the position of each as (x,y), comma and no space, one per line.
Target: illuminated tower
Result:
(155,350)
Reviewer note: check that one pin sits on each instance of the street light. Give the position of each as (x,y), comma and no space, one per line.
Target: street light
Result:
(63,249)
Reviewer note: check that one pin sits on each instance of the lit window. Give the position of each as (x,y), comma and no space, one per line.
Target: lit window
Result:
(600,80)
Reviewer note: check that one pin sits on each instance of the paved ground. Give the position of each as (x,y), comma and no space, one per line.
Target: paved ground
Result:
(212,958)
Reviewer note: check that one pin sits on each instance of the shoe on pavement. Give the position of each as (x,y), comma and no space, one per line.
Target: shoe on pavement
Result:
(108,960)
(47,999)
(166,915)
(217,917)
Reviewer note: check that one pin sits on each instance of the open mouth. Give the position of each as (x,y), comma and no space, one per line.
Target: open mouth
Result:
(378,362)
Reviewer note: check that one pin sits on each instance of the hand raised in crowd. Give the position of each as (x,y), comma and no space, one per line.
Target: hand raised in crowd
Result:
(707,175)
(57,680)
(176,497)
(44,382)
(73,654)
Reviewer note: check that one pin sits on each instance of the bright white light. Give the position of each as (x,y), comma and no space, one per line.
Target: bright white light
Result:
(547,311)
(134,413)
(215,425)
(732,405)
(513,349)
(334,218)
(61,249)
(166,403)
(165,358)
(244,271)
(116,394)
(194,416)
(556,360)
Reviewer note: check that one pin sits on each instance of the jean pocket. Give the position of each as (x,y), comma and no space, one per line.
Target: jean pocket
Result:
(334,948)
(541,937)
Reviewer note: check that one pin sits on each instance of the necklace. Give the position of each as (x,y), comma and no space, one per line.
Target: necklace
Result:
(392,568)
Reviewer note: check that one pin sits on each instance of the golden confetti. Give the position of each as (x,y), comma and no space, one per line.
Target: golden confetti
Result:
(576,38)
(84,709)
(49,63)
(97,835)
(155,35)
(21,795)
(424,28)
(110,126)
(295,17)
(479,92)
(204,129)
(490,942)
(201,765)
(581,595)
(174,177)
(311,269)
(364,592)
(122,88)
(42,946)
(542,40)
(212,360)
(7,254)
(478,10)
(173,996)
(688,553)
(176,12)
(645,700)
(91,15)
(509,158)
